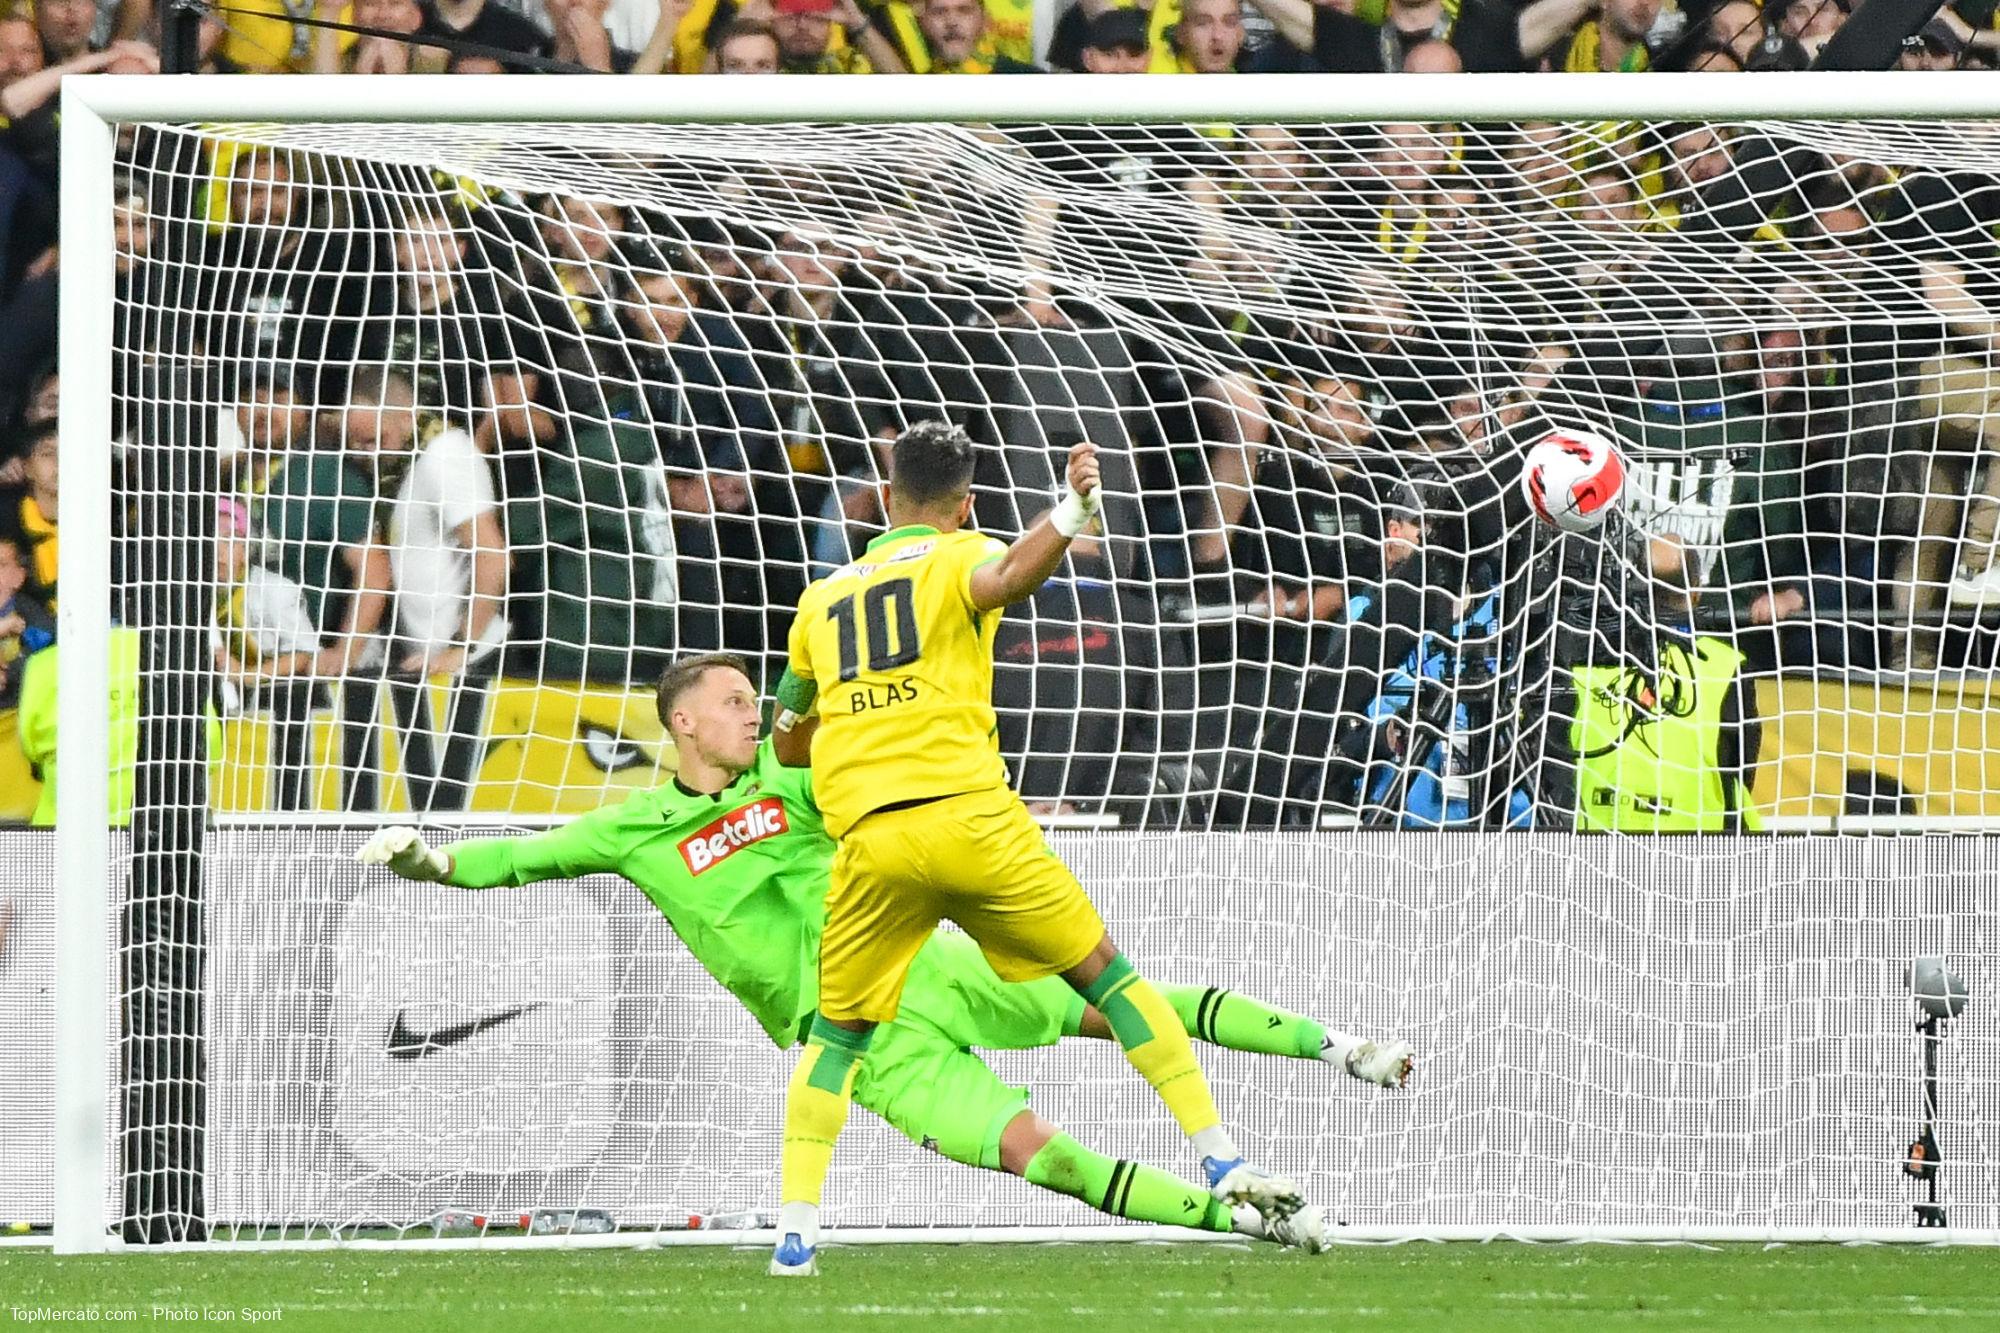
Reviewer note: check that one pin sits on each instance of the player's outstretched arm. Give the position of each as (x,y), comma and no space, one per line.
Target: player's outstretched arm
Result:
(1027,564)
(404,851)
(584,846)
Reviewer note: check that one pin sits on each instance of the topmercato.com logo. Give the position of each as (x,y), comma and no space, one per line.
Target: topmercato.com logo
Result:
(137,1314)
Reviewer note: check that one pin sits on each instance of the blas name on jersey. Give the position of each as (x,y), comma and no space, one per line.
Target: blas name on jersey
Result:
(866,697)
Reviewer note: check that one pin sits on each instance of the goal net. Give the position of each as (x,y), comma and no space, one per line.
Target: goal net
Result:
(431,443)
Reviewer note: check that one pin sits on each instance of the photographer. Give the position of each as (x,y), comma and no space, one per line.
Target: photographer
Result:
(1420,754)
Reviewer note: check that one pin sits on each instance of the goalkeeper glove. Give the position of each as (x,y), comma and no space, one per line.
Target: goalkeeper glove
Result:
(404,851)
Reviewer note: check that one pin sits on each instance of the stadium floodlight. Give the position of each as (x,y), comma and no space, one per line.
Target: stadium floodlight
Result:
(259,1042)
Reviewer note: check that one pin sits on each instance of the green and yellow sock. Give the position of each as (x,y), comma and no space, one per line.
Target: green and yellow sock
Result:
(1225,1018)
(1124,1189)
(816,1101)
(1155,1042)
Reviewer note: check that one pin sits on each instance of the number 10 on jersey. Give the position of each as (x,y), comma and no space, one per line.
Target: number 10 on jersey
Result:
(888,617)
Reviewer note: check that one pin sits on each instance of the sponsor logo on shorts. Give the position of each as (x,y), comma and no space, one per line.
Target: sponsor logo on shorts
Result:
(716,842)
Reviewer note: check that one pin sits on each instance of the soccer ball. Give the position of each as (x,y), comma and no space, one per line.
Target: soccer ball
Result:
(1573,479)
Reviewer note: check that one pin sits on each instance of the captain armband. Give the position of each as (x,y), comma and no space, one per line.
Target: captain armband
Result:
(795,699)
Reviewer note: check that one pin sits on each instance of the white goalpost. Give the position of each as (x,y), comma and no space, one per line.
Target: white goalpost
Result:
(409,427)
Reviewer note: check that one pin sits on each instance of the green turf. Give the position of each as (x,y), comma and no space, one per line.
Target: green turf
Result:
(1102,1288)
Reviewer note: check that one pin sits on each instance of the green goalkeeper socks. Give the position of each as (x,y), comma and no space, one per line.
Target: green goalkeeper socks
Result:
(1124,1189)
(1240,1023)
(1225,1018)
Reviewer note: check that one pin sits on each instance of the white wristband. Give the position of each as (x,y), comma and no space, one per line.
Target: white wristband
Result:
(1073,513)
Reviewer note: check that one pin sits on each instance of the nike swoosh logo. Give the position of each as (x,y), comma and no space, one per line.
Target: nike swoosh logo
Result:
(405,1044)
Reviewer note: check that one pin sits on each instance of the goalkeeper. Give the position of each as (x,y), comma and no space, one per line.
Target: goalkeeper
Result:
(734,853)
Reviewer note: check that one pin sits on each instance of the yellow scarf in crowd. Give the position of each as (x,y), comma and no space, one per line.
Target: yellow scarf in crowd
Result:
(1400,244)
(41,539)
(232,614)
(1377,11)
(1586,47)
(1009,32)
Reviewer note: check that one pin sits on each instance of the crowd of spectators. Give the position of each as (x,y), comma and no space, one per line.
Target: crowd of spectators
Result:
(970,37)
(468,432)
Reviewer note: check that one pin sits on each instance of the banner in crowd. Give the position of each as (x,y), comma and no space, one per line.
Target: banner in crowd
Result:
(551,748)
(1835,746)
(540,748)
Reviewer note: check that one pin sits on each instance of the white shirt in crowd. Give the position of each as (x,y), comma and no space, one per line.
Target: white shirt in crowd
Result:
(273,618)
(630,22)
(448,486)
(274,615)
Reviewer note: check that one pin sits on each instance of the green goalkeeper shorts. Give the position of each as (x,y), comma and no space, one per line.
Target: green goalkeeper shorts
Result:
(920,1075)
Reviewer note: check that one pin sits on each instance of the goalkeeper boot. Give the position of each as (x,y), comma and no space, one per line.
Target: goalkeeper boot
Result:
(1237,1182)
(795,1258)
(1303,1230)
(1386,1064)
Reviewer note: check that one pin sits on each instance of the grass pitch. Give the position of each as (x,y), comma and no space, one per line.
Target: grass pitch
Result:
(1102,1288)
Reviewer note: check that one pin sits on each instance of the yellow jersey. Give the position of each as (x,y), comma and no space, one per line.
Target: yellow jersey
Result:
(903,665)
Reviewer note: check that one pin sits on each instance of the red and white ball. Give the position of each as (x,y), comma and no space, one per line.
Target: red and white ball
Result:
(1573,479)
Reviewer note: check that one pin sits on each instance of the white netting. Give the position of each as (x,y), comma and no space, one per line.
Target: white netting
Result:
(500,420)
(656,367)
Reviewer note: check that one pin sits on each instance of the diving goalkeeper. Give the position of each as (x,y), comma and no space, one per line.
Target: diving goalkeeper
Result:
(734,853)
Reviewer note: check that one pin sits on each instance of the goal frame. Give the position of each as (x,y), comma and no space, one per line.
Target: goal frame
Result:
(93,106)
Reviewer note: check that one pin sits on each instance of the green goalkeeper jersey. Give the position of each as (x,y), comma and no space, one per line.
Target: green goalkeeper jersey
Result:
(741,876)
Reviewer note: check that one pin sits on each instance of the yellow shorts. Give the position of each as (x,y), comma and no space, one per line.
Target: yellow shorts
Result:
(976,859)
